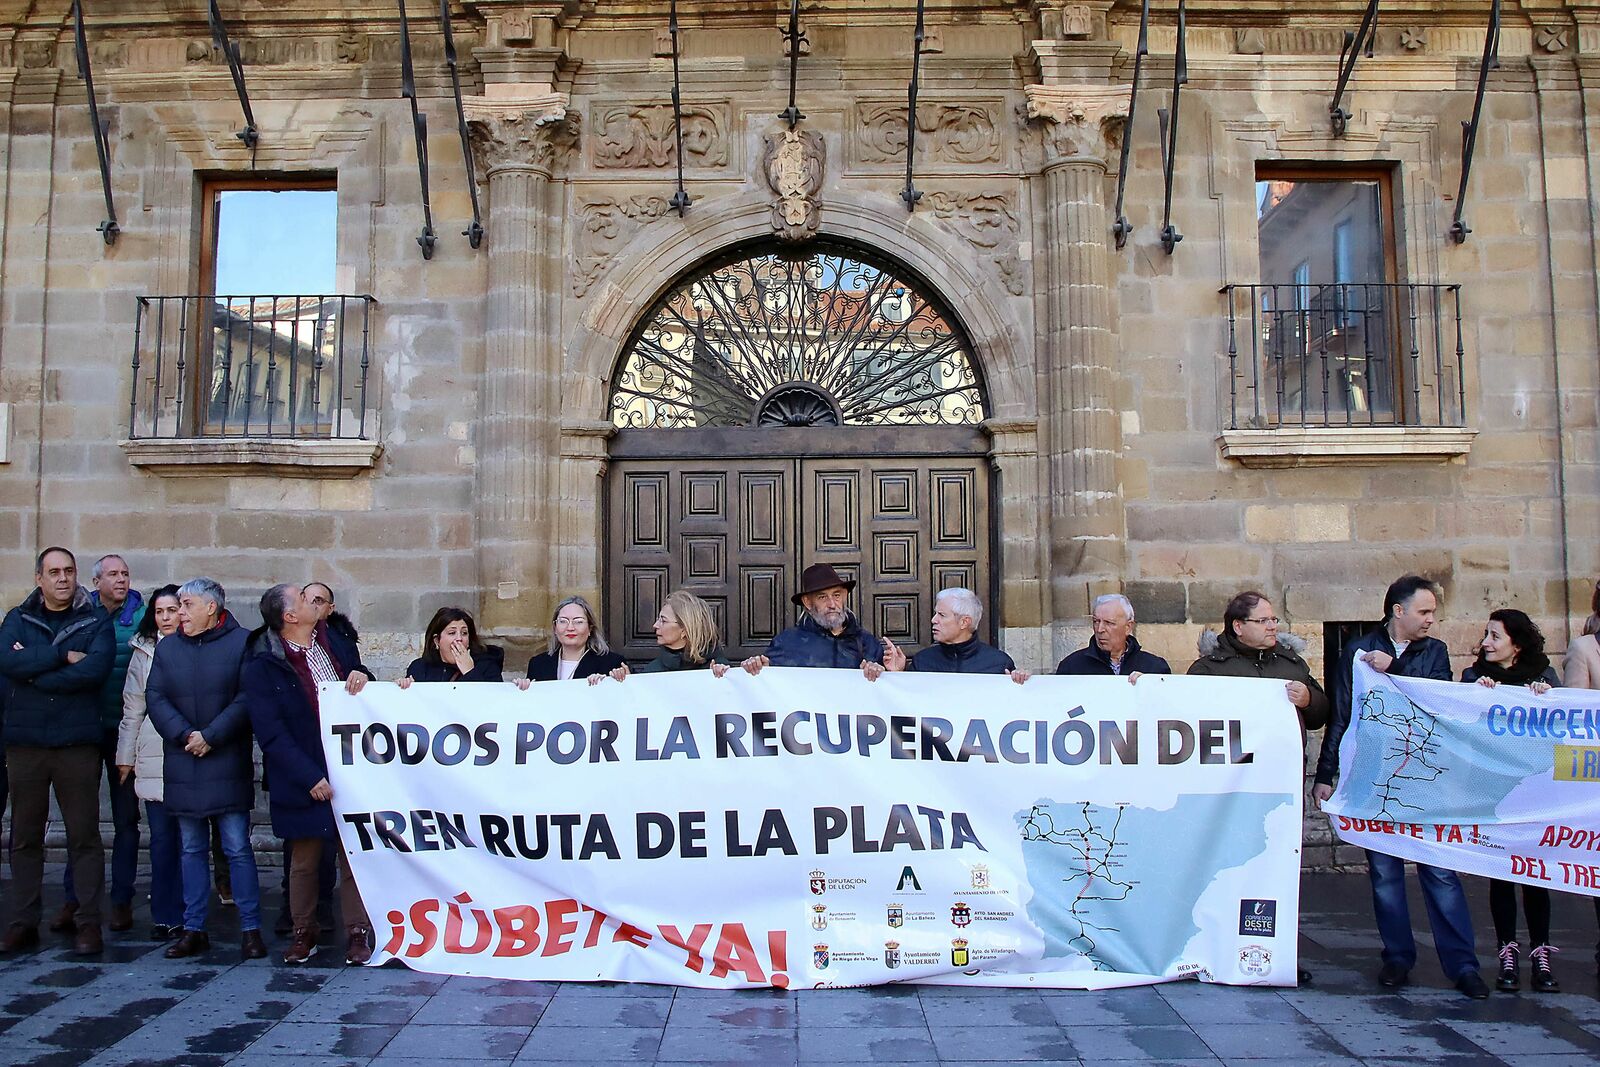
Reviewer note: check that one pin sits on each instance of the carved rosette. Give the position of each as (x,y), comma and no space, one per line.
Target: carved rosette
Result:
(537,133)
(1080,122)
(792,164)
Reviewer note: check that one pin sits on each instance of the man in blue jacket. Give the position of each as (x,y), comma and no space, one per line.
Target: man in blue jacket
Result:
(956,648)
(288,659)
(829,635)
(195,701)
(1402,646)
(55,649)
(1114,650)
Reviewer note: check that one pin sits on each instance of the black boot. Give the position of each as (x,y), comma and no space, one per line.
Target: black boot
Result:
(1543,979)
(1508,982)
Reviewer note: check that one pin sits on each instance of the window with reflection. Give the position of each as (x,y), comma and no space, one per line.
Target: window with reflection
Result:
(1330,310)
(273,337)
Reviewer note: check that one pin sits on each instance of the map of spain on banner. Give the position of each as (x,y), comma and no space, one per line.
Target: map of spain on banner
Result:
(811,828)
(1496,782)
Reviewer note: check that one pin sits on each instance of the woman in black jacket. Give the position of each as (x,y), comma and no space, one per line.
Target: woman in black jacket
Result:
(451,652)
(577,647)
(687,633)
(1512,653)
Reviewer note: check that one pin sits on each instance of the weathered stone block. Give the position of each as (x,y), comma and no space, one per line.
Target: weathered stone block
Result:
(1158,601)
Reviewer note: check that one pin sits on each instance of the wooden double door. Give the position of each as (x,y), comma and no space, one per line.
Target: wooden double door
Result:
(737,530)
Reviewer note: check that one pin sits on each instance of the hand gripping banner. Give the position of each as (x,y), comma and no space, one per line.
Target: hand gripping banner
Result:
(811,828)
(1496,782)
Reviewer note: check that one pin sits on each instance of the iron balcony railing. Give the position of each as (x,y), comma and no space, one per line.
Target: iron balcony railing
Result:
(251,366)
(1344,354)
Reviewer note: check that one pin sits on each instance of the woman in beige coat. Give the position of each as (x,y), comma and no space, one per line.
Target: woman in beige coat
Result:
(139,753)
(1582,671)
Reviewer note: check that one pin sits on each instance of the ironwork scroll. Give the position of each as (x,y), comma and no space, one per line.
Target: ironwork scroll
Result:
(109,228)
(1169,130)
(230,52)
(794,37)
(680,199)
(1122,228)
(1469,130)
(1356,45)
(910,194)
(419,125)
(474,232)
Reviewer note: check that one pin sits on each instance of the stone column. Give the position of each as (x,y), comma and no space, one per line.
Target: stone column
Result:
(519,142)
(583,470)
(1074,272)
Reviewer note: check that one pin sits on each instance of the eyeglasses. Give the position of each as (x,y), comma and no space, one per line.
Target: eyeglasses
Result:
(1270,620)
(319,600)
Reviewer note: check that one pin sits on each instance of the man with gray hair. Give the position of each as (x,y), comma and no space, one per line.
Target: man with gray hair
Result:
(1114,650)
(956,648)
(196,702)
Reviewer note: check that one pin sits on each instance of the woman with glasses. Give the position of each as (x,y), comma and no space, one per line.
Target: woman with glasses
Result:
(577,647)
(687,633)
(1512,653)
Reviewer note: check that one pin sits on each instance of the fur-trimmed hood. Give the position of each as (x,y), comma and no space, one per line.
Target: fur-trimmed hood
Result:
(1210,639)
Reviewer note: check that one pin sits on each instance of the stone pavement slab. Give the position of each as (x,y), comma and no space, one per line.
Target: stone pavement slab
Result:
(134,1007)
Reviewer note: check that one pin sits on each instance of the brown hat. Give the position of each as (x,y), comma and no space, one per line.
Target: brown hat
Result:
(816,578)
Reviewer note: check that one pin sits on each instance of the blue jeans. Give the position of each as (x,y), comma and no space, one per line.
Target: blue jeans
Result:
(1447,915)
(234,827)
(166,865)
(124,832)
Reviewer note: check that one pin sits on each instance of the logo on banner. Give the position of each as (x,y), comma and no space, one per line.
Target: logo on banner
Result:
(958,952)
(897,915)
(819,957)
(1255,961)
(819,916)
(908,877)
(1258,918)
(819,883)
(960,914)
(891,954)
(980,877)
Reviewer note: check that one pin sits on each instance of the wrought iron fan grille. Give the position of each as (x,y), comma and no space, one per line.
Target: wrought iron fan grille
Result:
(768,338)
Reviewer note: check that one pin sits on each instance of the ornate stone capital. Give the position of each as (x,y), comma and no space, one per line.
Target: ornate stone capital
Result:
(1080,122)
(522,131)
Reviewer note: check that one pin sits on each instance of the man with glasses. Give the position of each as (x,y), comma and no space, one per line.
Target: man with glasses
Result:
(1402,646)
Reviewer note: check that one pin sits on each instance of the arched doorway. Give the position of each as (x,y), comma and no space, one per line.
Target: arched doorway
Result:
(781,406)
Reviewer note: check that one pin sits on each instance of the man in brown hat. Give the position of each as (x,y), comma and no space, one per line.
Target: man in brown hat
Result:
(828,636)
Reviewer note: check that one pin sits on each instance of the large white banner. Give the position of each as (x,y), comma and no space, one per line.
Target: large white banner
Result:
(1497,782)
(811,828)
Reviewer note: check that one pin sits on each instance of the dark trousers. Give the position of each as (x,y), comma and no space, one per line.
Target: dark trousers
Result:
(125,831)
(1447,914)
(1503,906)
(166,865)
(74,773)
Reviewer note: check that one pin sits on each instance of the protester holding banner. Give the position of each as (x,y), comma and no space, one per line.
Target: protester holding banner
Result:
(577,647)
(1581,669)
(687,633)
(1251,646)
(1114,650)
(141,755)
(287,659)
(1512,653)
(956,648)
(451,652)
(829,635)
(1401,646)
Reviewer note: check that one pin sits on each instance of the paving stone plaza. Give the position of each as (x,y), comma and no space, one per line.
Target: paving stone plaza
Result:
(134,1007)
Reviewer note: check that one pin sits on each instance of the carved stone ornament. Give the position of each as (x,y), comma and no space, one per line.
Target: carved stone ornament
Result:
(1079,121)
(635,136)
(957,133)
(351,48)
(36,54)
(1552,38)
(538,131)
(197,52)
(1077,22)
(602,227)
(1414,38)
(989,223)
(792,164)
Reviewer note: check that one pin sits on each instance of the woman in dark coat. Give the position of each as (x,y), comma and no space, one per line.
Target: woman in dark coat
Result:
(687,633)
(577,647)
(1512,653)
(451,652)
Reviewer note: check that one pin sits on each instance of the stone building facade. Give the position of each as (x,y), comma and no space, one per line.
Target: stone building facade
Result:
(1133,428)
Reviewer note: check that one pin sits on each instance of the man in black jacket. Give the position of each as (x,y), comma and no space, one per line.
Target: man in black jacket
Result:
(956,648)
(56,648)
(1402,646)
(1114,649)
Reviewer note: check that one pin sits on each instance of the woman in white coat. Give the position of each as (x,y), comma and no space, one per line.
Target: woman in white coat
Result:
(139,753)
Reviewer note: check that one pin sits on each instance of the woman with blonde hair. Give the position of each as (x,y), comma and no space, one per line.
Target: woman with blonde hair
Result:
(577,647)
(687,633)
